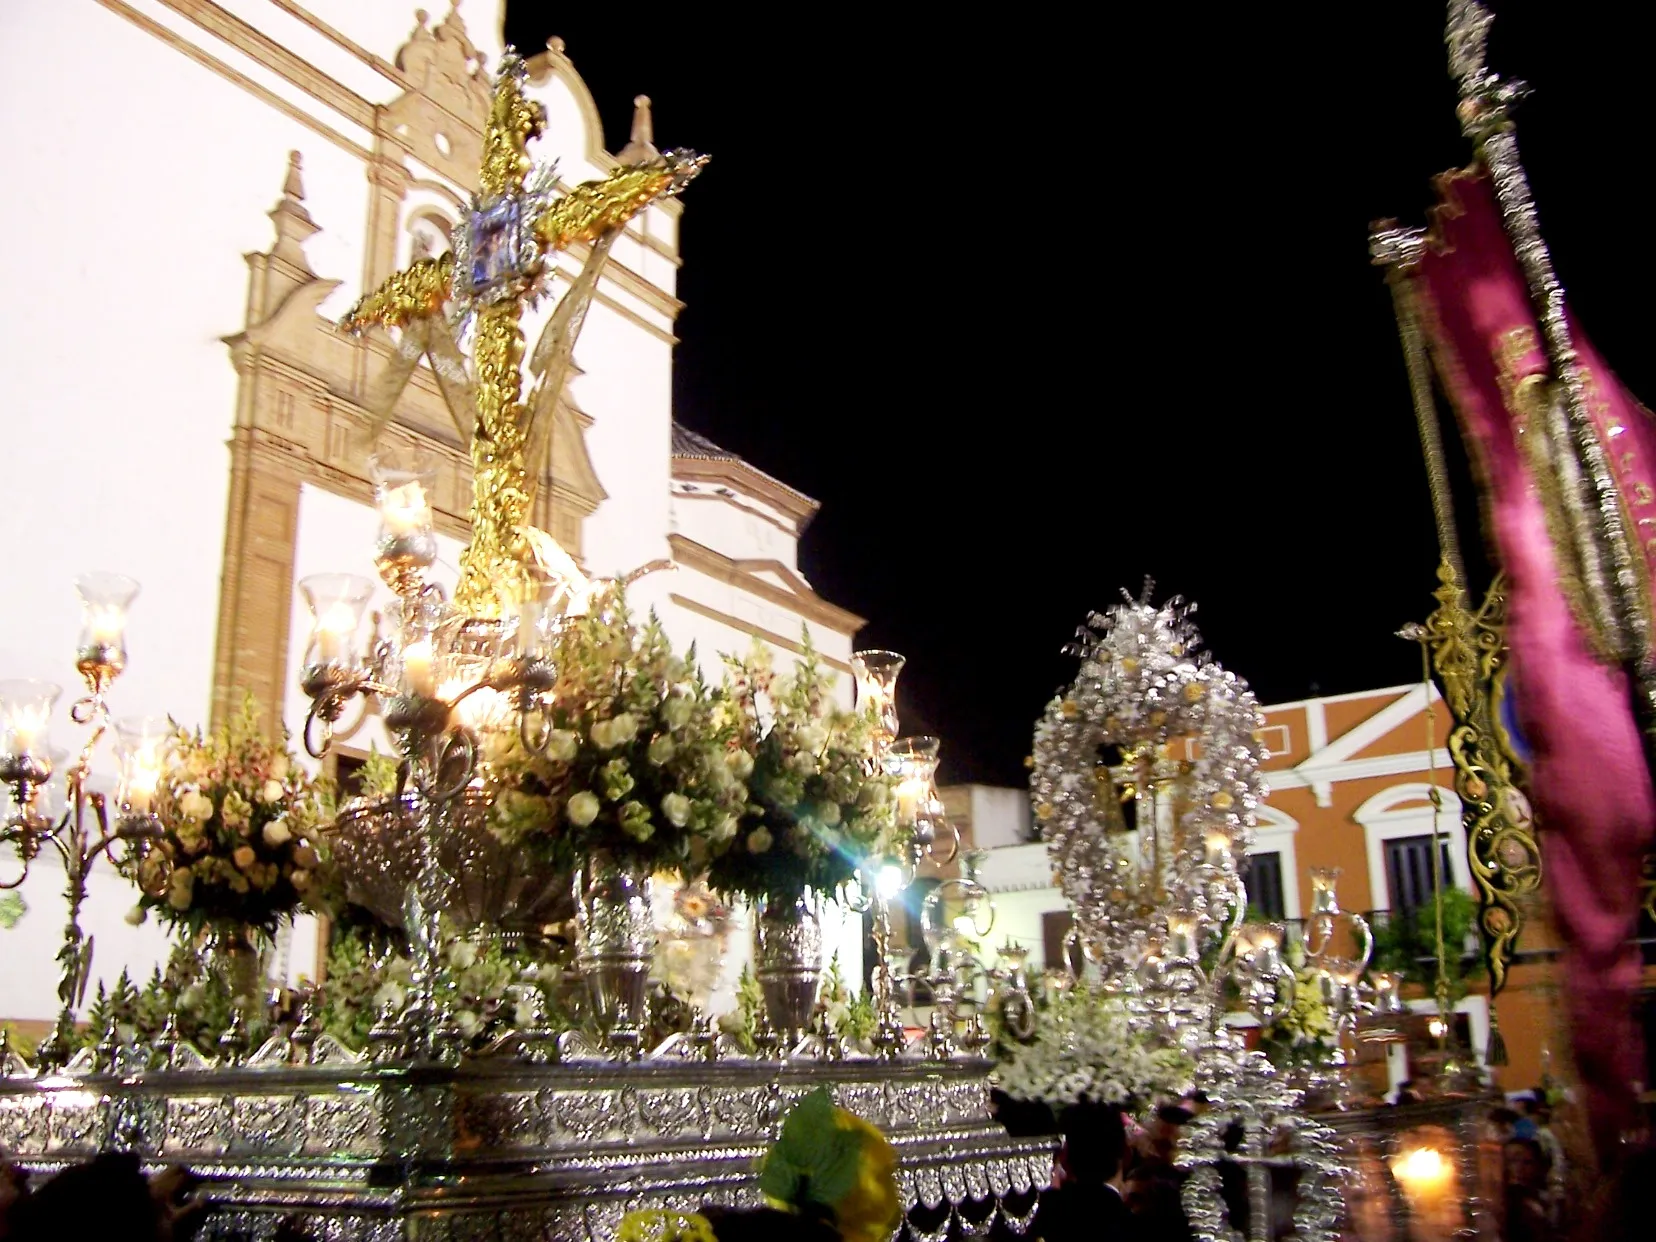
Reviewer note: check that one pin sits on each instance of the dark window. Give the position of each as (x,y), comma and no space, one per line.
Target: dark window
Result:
(348,775)
(1055,925)
(1409,872)
(1264,880)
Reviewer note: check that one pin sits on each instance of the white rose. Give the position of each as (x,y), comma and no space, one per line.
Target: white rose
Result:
(676,712)
(725,829)
(661,749)
(624,728)
(389,996)
(135,917)
(196,805)
(583,808)
(272,792)
(462,954)
(468,1022)
(276,833)
(676,807)
(603,734)
(562,745)
(523,1015)
(740,764)
(759,840)
(190,998)
(812,738)
(829,813)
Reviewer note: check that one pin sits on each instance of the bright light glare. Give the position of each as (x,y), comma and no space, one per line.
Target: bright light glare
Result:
(1422,1166)
(890,881)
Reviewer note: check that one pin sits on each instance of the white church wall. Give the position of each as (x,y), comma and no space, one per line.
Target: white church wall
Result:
(627,388)
(738,529)
(120,387)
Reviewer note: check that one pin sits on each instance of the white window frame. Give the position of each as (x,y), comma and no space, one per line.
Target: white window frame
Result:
(1383,819)
(1274,833)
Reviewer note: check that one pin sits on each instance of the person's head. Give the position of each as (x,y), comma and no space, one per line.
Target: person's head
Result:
(1162,1134)
(1138,1188)
(107,1197)
(1525,1163)
(1094,1141)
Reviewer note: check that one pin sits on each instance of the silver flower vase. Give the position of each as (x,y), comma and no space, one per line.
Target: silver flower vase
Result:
(614,947)
(787,955)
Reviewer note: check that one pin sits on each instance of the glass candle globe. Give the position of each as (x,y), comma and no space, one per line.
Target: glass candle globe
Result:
(100,652)
(1323,897)
(336,603)
(876,673)
(25,718)
(141,745)
(913,761)
(402,492)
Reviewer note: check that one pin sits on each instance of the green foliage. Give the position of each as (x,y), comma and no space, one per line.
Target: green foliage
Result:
(12,910)
(199,997)
(487,989)
(1409,944)
(849,1017)
(379,774)
(742,1023)
(816,1160)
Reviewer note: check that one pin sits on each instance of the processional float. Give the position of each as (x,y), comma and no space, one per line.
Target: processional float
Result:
(549,1131)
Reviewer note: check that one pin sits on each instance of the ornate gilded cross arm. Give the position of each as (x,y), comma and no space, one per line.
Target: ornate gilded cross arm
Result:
(418,291)
(594,208)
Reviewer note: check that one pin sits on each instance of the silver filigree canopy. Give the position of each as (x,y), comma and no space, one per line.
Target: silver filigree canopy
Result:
(1147,723)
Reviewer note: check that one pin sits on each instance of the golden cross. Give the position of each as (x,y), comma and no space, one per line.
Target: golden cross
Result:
(493,274)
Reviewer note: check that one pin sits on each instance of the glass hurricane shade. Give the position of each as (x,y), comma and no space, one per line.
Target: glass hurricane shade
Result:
(336,603)
(876,674)
(25,720)
(402,492)
(1324,899)
(141,750)
(104,599)
(913,762)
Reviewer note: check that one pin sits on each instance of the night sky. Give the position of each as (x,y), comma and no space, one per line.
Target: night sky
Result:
(1038,310)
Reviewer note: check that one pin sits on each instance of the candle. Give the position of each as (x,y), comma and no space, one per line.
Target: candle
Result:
(141,784)
(333,631)
(420,667)
(107,624)
(404,509)
(1218,845)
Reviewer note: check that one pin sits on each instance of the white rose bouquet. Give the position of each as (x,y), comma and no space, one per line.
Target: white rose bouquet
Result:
(814,812)
(637,764)
(241,838)
(1086,1049)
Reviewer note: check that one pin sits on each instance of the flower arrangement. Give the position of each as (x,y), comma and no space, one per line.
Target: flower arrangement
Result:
(1087,1049)
(1305,1034)
(637,765)
(486,989)
(813,813)
(240,838)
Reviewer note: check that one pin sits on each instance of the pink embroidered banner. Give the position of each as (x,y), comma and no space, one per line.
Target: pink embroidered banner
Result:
(1590,785)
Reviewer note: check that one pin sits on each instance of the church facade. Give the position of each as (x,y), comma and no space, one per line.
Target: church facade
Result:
(197,203)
